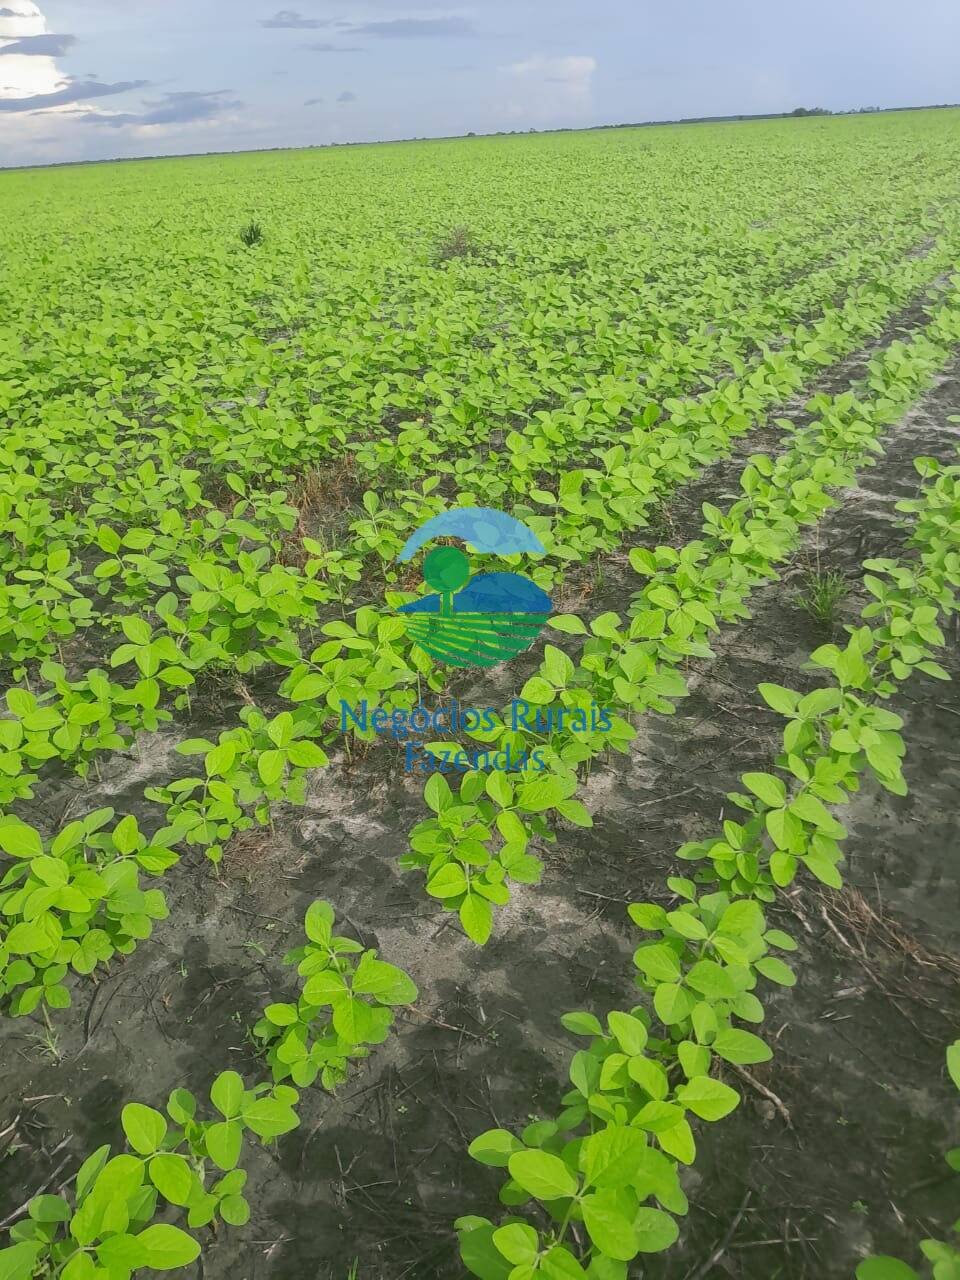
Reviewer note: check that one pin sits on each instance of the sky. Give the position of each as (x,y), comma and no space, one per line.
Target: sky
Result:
(94,79)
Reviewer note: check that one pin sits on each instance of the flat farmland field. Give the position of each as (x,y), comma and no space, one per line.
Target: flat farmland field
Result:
(597,916)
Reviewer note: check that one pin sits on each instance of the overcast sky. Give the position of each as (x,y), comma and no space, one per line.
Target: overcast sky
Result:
(89,79)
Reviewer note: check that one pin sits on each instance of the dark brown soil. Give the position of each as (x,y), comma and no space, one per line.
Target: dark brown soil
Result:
(380,1171)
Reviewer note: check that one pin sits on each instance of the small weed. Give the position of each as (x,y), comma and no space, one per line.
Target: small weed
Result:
(48,1042)
(252,234)
(823,592)
(458,243)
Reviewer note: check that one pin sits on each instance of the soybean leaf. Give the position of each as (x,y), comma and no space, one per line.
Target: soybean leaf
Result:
(543,1175)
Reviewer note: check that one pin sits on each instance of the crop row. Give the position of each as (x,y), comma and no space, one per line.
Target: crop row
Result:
(624,1127)
(627,1092)
(183,1161)
(99,486)
(81,916)
(235,607)
(479,839)
(350,332)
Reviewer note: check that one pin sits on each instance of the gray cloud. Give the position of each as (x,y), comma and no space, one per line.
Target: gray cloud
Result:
(313,102)
(77,91)
(289,19)
(48,46)
(414,28)
(325,46)
(12,13)
(347,96)
(172,108)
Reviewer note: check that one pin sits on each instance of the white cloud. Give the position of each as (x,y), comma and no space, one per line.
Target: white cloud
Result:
(41,107)
(550,90)
(22,75)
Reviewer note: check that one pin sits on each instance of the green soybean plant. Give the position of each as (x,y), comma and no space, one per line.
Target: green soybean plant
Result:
(74,901)
(106,1229)
(650,1067)
(345,1004)
(248,770)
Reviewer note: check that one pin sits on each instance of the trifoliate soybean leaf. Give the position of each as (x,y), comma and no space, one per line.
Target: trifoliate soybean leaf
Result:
(708,1098)
(766,787)
(89,1170)
(385,982)
(307,755)
(780,699)
(437,793)
(610,1158)
(694,1058)
(885,1268)
(629,1031)
(449,881)
(481,1256)
(17,1261)
(569,623)
(672,1002)
(269,1118)
(476,916)
(318,922)
(517,1242)
(80,1267)
(655,1230)
(777,938)
(575,812)
(741,1047)
(647,915)
(136,630)
(711,980)
(308,688)
(270,766)
(687,925)
(144,1127)
(582,1024)
(226,1094)
(544,1176)
(810,809)
(559,1263)
(19,840)
(544,793)
(166,1248)
(658,961)
(608,1226)
(495,1147)
(234,1210)
(776,971)
(224,1141)
(173,1178)
(49,1209)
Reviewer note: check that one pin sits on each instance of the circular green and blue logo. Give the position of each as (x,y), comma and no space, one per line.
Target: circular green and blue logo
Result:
(474,620)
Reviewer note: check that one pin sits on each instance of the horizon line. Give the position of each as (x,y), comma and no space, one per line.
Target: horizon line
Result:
(815,113)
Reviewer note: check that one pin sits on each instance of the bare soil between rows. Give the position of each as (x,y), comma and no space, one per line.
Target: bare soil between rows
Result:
(844,1157)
